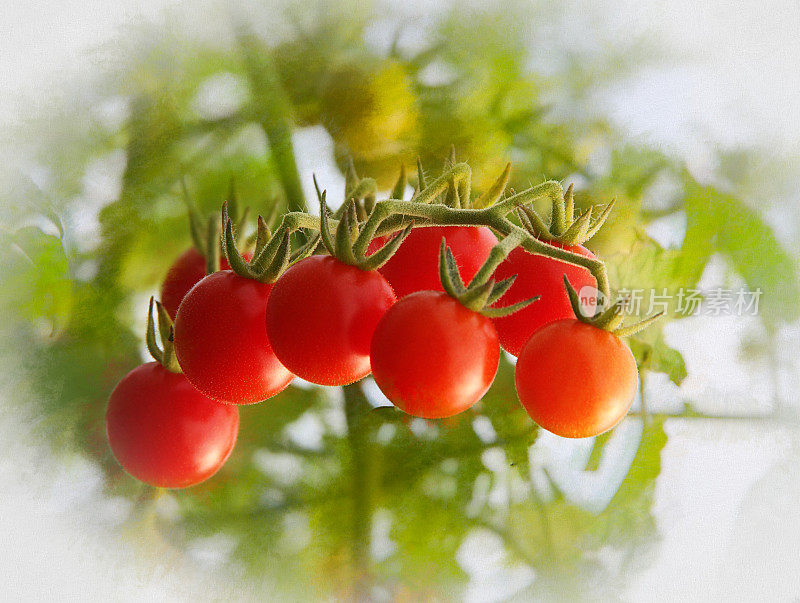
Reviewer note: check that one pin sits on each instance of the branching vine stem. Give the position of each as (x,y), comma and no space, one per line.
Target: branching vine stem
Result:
(362,460)
(392,215)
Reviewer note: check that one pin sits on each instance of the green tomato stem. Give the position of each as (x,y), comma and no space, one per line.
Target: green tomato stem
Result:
(364,475)
(550,189)
(496,256)
(274,116)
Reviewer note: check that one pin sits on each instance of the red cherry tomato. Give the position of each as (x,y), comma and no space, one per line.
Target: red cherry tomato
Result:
(188,270)
(222,344)
(432,357)
(576,380)
(415,265)
(166,433)
(537,275)
(321,316)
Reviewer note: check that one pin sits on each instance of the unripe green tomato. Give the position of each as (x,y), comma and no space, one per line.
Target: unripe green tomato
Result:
(372,115)
(301,67)
(477,141)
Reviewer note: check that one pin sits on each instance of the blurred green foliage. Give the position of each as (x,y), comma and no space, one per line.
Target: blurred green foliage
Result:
(304,515)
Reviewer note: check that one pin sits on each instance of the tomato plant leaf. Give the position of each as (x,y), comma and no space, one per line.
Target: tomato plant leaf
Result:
(719,222)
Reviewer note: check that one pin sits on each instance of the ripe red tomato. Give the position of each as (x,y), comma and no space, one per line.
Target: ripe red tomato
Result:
(576,380)
(537,275)
(415,265)
(432,357)
(188,270)
(166,433)
(222,344)
(321,316)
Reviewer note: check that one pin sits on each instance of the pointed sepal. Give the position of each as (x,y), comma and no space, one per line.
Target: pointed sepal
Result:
(343,246)
(350,178)
(165,354)
(598,223)
(569,203)
(400,186)
(196,226)
(273,253)
(639,326)
(420,175)
(237,263)
(308,248)
(576,234)
(563,228)
(493,194)
(611,319)
(324,225)
(531,222)
(384,254)
(450,160)
(482,291)
(509,310)
(448,272)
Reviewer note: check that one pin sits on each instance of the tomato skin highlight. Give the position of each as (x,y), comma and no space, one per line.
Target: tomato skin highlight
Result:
(537,275)
(432,357)
(221,341)
(166,433)
(185,272)
(415,264)
(576,380)
(321,316)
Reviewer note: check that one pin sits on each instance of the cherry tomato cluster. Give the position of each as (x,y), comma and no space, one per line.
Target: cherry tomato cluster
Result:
(424,307)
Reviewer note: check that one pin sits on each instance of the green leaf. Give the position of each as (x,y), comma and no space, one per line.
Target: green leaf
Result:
(597,450)
(628,517)
(36,280)
(652,353)
(718,222)
(515,430)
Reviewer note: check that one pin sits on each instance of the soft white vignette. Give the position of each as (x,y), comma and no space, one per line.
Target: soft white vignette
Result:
(726,498)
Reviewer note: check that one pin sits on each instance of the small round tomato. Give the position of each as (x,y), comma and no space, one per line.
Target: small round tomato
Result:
(576,380)
(166,433)
(321,316)
(537,275)
(221,341)
(188,270)
(415,264)
(432,357)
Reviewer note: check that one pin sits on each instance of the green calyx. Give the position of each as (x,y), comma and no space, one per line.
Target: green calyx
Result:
(482,291)
(457,194)
(165,355)
(494,192)
(611,319)
(206,233)
(272,254)
(361,191)
(345,242)
(565,226)
(452,189)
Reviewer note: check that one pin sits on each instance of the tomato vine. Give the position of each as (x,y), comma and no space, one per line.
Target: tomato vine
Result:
(320,310)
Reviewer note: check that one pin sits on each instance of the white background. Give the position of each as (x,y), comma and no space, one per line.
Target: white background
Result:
(726,502)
